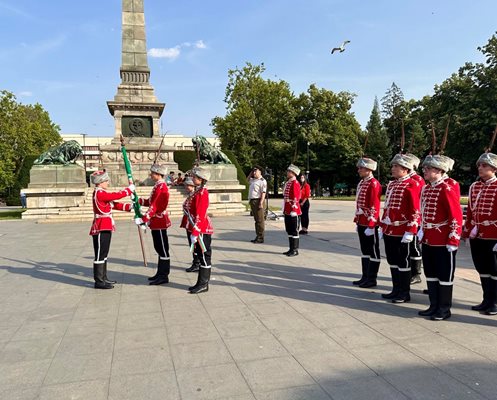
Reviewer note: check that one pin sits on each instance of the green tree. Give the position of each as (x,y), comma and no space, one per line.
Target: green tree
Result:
(260,121)
(378,146)
(394,112)
(24,130)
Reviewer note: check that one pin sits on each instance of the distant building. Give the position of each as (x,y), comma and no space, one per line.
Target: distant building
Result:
(91,146)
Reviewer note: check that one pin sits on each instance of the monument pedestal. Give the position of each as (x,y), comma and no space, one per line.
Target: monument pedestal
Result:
(53,187)
(225,192)
(141,154)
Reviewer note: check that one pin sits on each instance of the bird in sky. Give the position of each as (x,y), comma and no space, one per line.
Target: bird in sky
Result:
(341,49)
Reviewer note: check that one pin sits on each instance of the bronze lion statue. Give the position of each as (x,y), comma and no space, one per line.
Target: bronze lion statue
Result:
(208,153)
(65,153)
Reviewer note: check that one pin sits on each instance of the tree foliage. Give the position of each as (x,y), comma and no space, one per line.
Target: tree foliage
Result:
(378,143)
(265,123)
(24,130)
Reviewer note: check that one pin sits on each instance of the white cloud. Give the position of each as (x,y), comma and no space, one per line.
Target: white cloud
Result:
(25,93)
(199,44)
(172,53)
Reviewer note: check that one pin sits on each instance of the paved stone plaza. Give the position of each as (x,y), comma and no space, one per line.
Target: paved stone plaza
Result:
(271,327)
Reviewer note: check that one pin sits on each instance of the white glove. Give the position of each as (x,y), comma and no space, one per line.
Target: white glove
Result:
(133,197)
(407,238)
(451,248)
(132,187)
(139,221)
(356,228)
(473,232)
(495,247)
(380,233)
(293,214)
(369,231)
(193,238)
(420,235)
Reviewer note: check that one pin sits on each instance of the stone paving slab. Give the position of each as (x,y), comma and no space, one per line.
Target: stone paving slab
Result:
(270,327)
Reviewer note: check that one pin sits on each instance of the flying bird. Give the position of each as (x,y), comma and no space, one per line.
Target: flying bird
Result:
(341,49)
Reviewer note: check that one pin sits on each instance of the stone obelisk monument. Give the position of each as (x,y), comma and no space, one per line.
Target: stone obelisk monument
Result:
(135,107)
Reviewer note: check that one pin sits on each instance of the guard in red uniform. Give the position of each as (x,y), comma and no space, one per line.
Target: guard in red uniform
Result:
(481,228)
(399,225)
(103,224)
(305,204)
(368,196)
(187,205)
(157,219)
(291,209)
(415,259)
(440,233)
(200,226)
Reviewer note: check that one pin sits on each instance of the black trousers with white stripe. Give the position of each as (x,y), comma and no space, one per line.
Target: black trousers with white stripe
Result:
(161,243)
(101,246)
(439,264)
(370,245)
(292,225)
(484,258)
(204,256)
(397,252)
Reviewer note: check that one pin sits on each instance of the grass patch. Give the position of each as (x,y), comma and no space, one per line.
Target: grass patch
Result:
(11,214)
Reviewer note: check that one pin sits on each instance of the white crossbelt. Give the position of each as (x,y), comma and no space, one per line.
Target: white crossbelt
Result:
(394,223)
(431,225)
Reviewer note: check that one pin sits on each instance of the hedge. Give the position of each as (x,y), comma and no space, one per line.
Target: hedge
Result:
(242,178)
(12,194)
(185,159)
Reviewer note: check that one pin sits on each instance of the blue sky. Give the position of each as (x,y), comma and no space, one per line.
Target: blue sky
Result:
(66,54)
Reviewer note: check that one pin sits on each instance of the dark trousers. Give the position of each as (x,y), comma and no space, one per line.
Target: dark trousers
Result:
(161,243)
(101,246)
(194,254)
(415,256)
(204,256)
(370,245)
(397,252)
(304,218)
(258,214)
(439,264)
(484,258)
(292,226)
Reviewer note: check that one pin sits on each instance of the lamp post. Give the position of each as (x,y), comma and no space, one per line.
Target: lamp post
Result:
(307,172)
(84,149)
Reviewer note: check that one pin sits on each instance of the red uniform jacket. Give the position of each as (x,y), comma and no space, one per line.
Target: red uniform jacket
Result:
(291,196)
(401,210)
(103,203)
(197,204)
(305,193)
(157,207)
(368,197)
(441,213)
(413,175)
(187,208)
(482,209)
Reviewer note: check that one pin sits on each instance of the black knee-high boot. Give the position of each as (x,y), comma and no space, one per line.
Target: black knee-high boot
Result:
(395,283)
(290,246)
(163,268)
(294,247)
(433,295)
(372,275)
(365,267)
(202,285)
(403,295)
(485,286)
(98,275)
(444,303)
(106,279)
(492,308)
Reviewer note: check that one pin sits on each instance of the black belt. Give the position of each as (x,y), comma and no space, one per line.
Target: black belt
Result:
(255,199)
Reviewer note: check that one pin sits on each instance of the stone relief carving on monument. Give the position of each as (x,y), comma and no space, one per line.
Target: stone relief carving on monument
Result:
(65,153)
(208,153)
